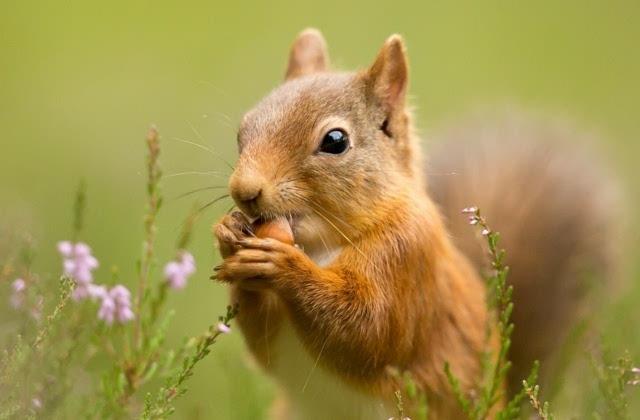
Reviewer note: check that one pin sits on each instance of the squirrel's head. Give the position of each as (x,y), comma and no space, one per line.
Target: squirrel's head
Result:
(327,148)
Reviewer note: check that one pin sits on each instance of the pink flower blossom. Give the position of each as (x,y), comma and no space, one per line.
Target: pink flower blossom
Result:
(223,328)
(18,285)
(116,305)
(177,272)
(65,248)
(88,290)
(18,293)
(78,264)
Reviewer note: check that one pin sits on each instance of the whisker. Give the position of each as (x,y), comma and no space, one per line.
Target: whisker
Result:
(302,199)
(193,143)
(192,218)
(212,202)
(337,229)
(215,87)
(315,365)
(195,131)
(336,218)
(441,173)
(205,148)
(321,236)
(317,211)
(225,119)
(208,173)
(215,187)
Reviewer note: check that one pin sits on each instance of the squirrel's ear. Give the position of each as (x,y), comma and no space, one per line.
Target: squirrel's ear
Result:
(388,77)
(308,54)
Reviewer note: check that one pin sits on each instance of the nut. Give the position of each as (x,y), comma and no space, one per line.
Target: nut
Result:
(278,229)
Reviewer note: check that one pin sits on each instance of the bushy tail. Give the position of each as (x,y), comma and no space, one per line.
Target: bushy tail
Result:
(551,205)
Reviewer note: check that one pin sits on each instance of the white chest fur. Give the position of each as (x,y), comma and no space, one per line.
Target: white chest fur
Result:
(313,392)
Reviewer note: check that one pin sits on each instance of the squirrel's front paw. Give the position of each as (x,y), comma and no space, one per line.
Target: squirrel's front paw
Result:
(262,263)
(232,228)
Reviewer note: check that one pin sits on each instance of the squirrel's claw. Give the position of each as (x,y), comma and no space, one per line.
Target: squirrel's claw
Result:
(229,230)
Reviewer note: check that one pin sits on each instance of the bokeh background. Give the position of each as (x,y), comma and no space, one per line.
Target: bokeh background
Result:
(80,82)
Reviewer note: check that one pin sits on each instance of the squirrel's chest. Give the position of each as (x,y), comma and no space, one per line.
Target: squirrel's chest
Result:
(311,391)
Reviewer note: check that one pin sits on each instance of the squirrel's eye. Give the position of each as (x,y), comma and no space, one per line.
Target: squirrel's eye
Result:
(335,142)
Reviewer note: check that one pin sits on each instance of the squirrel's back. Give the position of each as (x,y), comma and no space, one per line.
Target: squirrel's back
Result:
(551,204)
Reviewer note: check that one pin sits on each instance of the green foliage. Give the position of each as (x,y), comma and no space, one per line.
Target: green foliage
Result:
(415,396)
(22,386)
(400,405)
(483,401)
(541,408)
(419,399)
(161,406)
(118,360)
(513,406)
(66,287)
(613,378)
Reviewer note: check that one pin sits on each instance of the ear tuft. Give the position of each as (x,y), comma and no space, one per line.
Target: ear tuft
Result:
(388,77)
(308,54)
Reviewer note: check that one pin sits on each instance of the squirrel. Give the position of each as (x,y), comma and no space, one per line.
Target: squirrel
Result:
(383,274)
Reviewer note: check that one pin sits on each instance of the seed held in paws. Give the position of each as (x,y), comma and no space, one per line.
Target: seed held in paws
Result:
(278,229)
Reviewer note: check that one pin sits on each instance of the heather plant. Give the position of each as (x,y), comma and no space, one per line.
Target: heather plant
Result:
(613,378)
(541,408)
(100,332)
(494,366)
(413,394)
(483,402)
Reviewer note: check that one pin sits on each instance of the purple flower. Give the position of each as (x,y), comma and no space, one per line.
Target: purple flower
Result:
(470,210)
(116,305)
(18,293)
(18,285)
(107,311)
(88,290)
(65,248)
(78,264)
(223,328)
(177,272)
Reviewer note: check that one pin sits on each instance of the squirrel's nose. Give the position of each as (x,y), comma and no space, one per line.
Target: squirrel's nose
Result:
(248,199)
(247,196)
(246,192)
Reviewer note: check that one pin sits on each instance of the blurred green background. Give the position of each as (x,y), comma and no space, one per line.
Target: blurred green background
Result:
(81,81)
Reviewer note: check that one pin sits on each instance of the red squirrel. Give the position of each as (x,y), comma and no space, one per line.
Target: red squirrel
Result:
(372,277)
